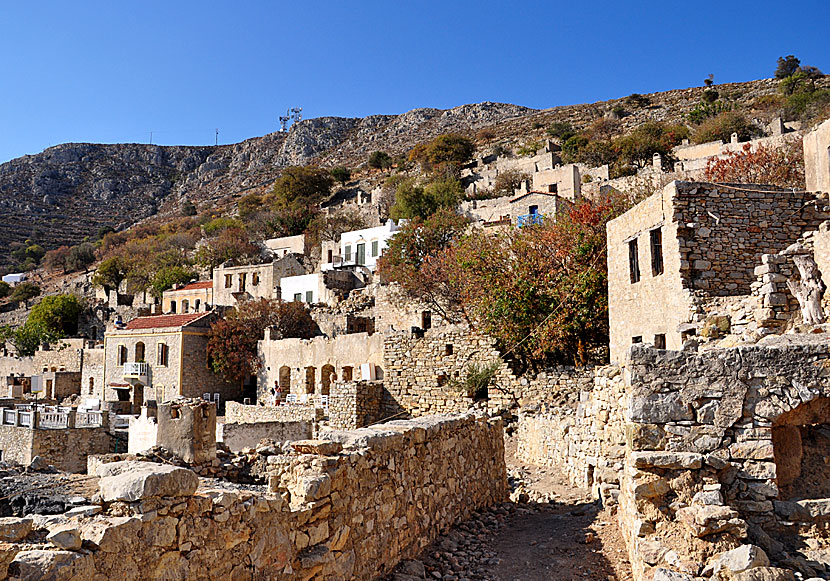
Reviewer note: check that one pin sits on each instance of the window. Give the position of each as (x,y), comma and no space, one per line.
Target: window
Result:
(162,354)
(347,253)
(255,279)
(185,306)
(196,305)
(122,355)
(656,239)
(242,278)
(374,248)
(298,297)
(361,253)
(637,339)
(139,352)
(309,296)
(331,257)
(91,385)
(633,261)
(533,210)
(172,306)
(426,320)
(228,281)
(553,188)
(660,341)
(448,350)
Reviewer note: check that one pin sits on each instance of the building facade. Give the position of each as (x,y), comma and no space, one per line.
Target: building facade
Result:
(194,297)
(234,284)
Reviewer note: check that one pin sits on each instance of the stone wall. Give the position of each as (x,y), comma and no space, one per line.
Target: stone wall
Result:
(355,404)
(817,158)
(348,508)
(16,444)
(66,449)
(238,413)
(239,436)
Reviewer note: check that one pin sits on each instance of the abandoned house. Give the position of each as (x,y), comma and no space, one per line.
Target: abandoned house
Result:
(161,358)
(234,284)
(523,210)
(688,244)
(194,297)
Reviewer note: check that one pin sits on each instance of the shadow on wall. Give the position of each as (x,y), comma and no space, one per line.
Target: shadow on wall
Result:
(801,449)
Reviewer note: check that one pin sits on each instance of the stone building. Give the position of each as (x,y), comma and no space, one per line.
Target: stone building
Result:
(360,248)
(161,358)
(194,297)
(691,243)
(234,284)
(817,158)
(279,247)
(523,209)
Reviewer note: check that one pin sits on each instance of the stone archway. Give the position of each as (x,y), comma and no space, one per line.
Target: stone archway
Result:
(800,444)
(325,379)
(285,379)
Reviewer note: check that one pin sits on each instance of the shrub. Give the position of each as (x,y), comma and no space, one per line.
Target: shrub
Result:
(561,130)
(341,174)
(58,314)
(167,276)
(80,257)
(302,185)
(188,208)
(5,289)
(380,160)
(24,291)
(56,259)
(415,201)
(448,149)
(217,225)
(477,379)
(776,166)
(723,126)
(637,100)
(231,245)
(508,181)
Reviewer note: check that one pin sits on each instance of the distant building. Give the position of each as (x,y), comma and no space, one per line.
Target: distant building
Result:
(234,284)
(194,297)
(279,247)
(14,279)
(360,248)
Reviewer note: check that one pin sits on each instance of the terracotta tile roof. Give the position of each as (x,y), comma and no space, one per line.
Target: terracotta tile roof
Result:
(194,286)
(164,321)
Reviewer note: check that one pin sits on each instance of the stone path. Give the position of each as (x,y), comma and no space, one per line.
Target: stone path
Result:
(553,532)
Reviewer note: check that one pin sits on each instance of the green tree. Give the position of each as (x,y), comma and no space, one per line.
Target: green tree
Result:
(111,273)
(415,201)
(5,289)
(786,66)
(57,314)
(449,149)
(341,174)
(232,342)
(80,257)
(723,126)
(167,276)
(24,291)
(302,185)
(27,338)
(380,160)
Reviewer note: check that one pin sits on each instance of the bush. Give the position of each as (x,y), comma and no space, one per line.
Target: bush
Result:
(56,259)
(508,181)
(188,208)
(302,185)
(776,166)
(80,257)
(58,314)
(449,149)
(723,126)
(477,379)
(637,100)
(166,277)
(5,289)
(341,174)
(561,130)
(414,201)
(380,160)
(217,225)
(231,245)
(24,291)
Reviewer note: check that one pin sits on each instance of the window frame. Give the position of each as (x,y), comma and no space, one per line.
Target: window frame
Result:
(655,238)
(633,261)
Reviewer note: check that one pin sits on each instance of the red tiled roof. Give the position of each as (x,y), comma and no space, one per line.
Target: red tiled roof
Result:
(164,321)
(194,286)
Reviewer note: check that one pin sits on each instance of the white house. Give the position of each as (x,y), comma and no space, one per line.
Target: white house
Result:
(304,288)
(362,247)
(14,279)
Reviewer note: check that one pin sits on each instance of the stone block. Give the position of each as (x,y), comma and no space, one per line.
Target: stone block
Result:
(319,447)
(737,560)
(65,537)
(659,408)
(14,529)
(645,436)
(661,574)
(764,574)
(130,481)
(668,460)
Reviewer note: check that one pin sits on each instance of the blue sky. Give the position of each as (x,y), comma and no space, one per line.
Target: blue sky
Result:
(115,71)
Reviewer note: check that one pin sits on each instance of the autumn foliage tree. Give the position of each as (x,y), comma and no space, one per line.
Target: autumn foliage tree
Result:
(763,165)
(232,342)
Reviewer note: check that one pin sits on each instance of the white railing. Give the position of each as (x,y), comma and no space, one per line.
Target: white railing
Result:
(136,369)
(91,419)
(53,420)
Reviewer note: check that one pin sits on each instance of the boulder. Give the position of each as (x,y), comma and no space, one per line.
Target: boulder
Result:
(764,574)
(737,560)
(661,574)
(130,481)
(668,460)
(319,447)
(14,529)
(65,538)
(52,565)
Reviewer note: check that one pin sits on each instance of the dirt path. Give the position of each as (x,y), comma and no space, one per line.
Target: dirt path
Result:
(555,533)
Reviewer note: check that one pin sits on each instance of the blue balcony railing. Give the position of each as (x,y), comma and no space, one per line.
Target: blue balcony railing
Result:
(529,220)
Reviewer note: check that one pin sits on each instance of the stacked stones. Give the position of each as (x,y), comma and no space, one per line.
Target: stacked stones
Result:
(350,507)
(355,404)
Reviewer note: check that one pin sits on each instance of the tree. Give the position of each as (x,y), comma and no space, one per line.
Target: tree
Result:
(508,181)
(80,257)
(786,66)
(302,185)
(27,338)
(449,149)
(723,126)
(417,242)
(24,291)
(167,276)
(231,245)
(5,289)
(415,201)
(57,314)
(56,259)
(638,147)
(341,174)
(329,227)
(111,273)
(782,167)
(232,342)
(380,160)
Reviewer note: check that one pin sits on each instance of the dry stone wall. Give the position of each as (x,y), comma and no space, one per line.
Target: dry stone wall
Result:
(350,507)
(236,412)
(239,436)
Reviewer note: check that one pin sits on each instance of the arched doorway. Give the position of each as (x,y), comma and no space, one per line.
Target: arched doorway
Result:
(800,445)
(285,379)
(326,378)
(139,352)
(310,375)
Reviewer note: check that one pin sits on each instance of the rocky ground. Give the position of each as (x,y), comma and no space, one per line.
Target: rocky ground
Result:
(552,531)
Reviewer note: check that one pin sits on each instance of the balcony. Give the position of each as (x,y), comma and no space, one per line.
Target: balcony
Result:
(529,220)
(138,371)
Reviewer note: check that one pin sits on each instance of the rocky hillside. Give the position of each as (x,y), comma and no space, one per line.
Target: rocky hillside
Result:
(70,191)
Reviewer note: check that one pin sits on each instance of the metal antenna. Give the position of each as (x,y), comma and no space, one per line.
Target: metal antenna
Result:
(217,136)
(151,138)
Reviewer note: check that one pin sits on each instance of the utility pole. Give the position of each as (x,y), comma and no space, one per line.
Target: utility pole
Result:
(151,138)
(217,137)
